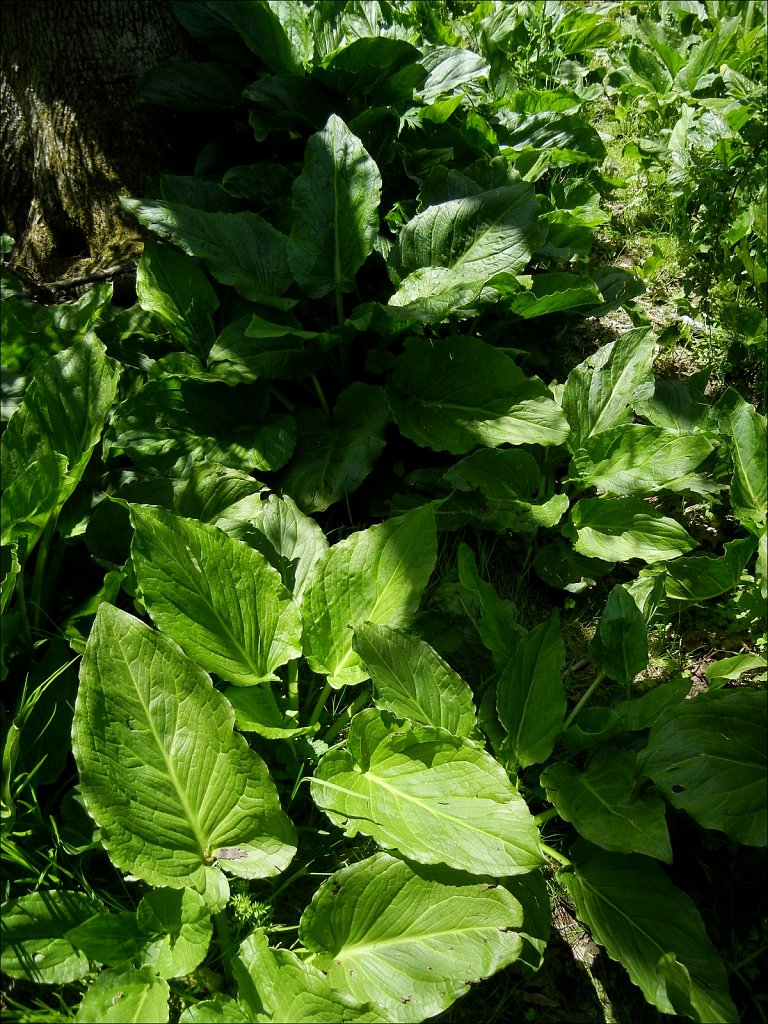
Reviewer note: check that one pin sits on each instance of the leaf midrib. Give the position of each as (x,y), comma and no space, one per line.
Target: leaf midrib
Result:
(192,818)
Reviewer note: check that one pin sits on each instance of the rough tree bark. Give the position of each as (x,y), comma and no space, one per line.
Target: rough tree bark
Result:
(71,139)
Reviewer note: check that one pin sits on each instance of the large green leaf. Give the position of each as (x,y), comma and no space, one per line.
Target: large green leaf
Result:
(435,798)
(474,237)
(702,577)
(412,681)
(409,939)
(641,460)
(560,566)
(64,411)
(549,293)
(279,31)
(173,424)
(749,489)
(30,501)
(219,1009)
(172,287)
(580,31)
(34,936)
(509,481)
(126,994)
(600,392)
(456,394)
(289,540)
(174,790)
(377,575)
(180,926)
(617,529)
(448,68)
(431,294)
(258,709)
(497,624)
(335,454)
(620,643)
(241,249)
(632,909)
(368,65)
(601,803)
(708,757)
(530,697)
(677,405)
(218,598)
(565,138)
(275,985)
(335,211)
(252,348)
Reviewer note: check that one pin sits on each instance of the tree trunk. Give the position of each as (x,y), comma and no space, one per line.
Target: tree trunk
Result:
(71,139)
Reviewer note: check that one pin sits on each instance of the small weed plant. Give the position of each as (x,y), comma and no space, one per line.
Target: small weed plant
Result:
(250,774)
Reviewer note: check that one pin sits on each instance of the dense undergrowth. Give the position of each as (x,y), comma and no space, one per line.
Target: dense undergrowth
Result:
(376,589)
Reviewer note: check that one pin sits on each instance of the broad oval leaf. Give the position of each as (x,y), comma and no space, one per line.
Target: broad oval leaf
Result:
(633,910)
(278,31)
(530,697)
(335,211)
(275,985)
(241,249)
(161,770)
(601,804)
(565,138)
(497,626)
(111,939)
(749,490)
(257,710)
(179,921)
(34,930)
(64,411)
(334,455)
(600,392)
(617,529)
(475,237)
(174,289)
(508,480)
(456,394)
(702,577)
(620,644)
(436,799)
(376,925)
(252,348)
(412,681)
(289,540)
(220,600)
(173,424)
(377,575)
(708,758)
(126,994)
(641,460)
(29,502)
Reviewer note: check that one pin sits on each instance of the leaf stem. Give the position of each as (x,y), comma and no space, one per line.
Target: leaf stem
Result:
(346,717)
(320,395)
(339,304)
(293,685)
(38,575)
(545,816)
(282,398)
(556,855)
(22,597)
(569,720)
(320,703)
